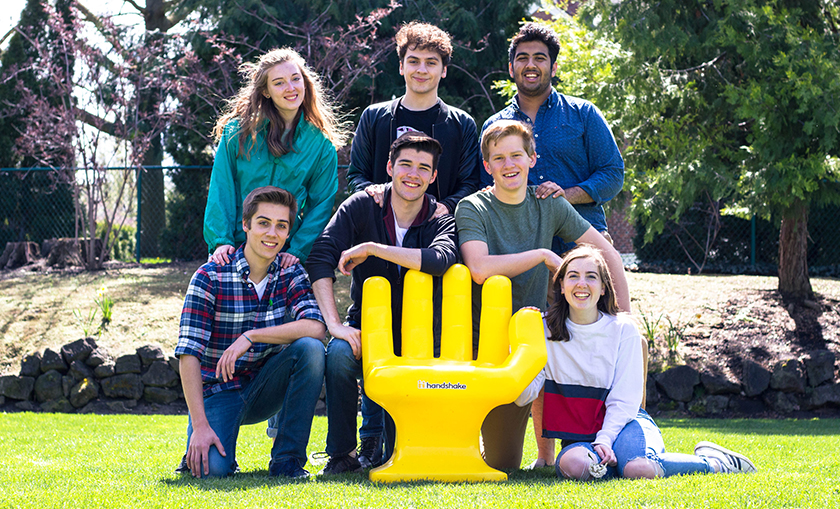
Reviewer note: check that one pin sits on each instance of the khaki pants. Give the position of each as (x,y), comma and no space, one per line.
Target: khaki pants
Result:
(503,435)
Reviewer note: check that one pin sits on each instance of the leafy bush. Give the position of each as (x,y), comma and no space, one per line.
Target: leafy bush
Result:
(123,242)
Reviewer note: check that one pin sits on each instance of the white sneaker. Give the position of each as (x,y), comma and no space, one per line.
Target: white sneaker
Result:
(730,462)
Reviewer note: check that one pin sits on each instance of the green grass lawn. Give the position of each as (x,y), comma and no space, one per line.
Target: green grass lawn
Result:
(52,460)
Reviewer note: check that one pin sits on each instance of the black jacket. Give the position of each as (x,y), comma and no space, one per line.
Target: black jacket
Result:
(359,219)
(459,167)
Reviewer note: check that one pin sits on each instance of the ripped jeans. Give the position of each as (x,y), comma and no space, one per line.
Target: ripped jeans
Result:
(641,438)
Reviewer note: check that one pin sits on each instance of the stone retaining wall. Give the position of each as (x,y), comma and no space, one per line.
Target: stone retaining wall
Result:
(83,377)
(792,387)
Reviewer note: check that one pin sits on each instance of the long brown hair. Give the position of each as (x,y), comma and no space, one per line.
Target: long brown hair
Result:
(559,311)
(252,108)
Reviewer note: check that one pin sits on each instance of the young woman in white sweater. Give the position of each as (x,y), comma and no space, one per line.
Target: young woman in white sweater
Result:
(593,386)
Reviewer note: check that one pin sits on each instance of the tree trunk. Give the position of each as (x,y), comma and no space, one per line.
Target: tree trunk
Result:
(17,254)
(794,283)
(152,202)
(65,252)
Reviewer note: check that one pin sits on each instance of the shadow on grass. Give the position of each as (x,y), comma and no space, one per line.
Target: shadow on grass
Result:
(257,479)
(260,479)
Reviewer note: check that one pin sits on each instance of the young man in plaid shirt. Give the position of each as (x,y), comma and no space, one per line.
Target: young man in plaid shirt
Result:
(250,346)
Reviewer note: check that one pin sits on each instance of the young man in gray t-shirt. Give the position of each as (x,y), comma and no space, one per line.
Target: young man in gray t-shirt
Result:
(507,231)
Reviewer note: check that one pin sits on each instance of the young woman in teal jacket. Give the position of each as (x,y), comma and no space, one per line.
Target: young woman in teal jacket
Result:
(279,130)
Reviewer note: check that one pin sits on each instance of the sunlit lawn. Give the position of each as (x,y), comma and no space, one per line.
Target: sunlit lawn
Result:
(51,460)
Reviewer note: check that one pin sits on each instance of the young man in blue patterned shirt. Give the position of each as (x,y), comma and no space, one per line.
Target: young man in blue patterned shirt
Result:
(250,346)
(577,156)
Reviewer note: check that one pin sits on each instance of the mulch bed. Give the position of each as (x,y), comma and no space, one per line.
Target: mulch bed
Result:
(760,326)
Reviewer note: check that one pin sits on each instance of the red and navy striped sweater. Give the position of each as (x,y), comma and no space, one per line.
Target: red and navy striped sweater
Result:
(593,382)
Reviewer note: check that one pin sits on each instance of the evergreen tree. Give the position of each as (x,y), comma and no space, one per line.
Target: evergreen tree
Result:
(34,205)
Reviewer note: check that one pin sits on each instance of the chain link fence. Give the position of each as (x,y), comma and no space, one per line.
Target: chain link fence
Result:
(705,240)
(38,204)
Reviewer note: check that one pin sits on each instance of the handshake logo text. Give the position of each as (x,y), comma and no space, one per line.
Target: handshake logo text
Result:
(422,384)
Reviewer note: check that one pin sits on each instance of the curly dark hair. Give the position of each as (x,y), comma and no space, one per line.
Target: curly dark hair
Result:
(424,36)
(536,32)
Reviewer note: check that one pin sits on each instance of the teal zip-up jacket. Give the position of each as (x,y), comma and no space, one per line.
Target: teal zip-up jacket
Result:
(309,172)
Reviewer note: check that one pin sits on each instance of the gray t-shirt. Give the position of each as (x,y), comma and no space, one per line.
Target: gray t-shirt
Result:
(508,229)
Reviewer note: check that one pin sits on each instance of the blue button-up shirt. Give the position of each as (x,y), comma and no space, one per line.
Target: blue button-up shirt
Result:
(575,147)
(221,304)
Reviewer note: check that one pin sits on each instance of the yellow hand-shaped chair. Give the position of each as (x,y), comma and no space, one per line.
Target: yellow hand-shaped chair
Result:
(439,404)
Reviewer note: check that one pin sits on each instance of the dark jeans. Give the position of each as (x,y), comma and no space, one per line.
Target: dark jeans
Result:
(343,370)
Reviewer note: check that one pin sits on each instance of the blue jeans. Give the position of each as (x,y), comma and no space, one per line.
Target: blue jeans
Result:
(373,421)
(641,438)
(343,369)
(288,385)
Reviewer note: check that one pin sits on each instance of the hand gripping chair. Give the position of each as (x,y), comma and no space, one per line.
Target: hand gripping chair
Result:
(439,404)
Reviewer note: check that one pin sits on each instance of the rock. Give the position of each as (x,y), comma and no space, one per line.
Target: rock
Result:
(823,395)
(129,363)
(670,408)
(2,400)
(78,350)
(756,379)
(819,365)
(67,383)
(651,394)
(48,386)
(716,404)
(320,408)
(678,382)
(60,405)
(746,406)
(159,395)
(697,406)
(79,370)
(781,402)
(175,364)
(17,387)
(716,384)
(83,392)
(149,354)
(104,371)
(160,375)
(121,407)
(788,376)
(98,357)
(31,365)
(126,386)
(52,360)
(26,406)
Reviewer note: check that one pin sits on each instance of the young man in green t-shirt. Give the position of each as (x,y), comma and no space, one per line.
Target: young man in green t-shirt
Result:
(506,230)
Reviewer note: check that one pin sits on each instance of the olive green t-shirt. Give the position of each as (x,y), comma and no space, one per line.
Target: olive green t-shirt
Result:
(508,229)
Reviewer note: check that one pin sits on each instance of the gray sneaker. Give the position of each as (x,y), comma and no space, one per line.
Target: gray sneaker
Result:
(730,461)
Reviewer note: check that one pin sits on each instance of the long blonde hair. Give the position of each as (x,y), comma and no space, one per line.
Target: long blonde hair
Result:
(252,108)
